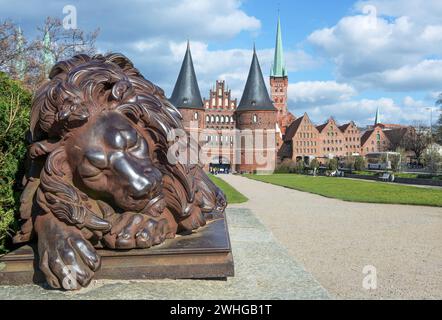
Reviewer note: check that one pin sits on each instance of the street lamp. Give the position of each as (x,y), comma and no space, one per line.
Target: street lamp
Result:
(431,120)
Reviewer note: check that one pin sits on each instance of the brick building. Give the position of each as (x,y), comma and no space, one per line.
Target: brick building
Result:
(352,138)
(305,141)
(301,140)
(224,126)
(219,108)
(256,119)
(230,133)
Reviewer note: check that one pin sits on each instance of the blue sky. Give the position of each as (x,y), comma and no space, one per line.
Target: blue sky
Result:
(345,58)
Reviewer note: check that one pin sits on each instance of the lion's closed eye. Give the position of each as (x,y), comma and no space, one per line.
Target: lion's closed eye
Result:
(97,158)
(94,163)
(139,150)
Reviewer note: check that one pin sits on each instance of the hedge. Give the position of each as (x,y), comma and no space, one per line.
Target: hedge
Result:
(15,105)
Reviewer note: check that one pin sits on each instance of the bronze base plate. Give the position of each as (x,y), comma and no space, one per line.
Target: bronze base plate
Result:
(204,254)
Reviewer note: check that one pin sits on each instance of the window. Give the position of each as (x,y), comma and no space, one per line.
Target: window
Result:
(220,92)
(231,119)
(220,102)
(255,118)
(195,116)
(207,119)
(212,119)
(217,119)
(213,102)
(222,119)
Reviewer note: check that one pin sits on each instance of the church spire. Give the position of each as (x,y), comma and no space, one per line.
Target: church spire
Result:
(186,93)
(278,68)
(255,95)
(48,56)
(377,119)
(20,63)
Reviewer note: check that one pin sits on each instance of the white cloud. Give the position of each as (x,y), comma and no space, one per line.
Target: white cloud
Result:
(127,21)
(388,53)
(319,92)
(426,11)
(163,59)
(363,111)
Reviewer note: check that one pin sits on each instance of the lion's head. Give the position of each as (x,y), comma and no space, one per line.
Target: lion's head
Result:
(99,139)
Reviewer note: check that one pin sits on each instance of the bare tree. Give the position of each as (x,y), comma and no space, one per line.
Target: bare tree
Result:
(439,121)
(28,61)
(67,42)
(7,44)
(417,141)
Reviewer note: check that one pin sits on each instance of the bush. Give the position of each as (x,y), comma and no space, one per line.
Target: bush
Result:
(300,167)
(348,163)
(15,104)
(284,167)
(359,163)
(432,160)
(395,162)
(332,164)
(314,164)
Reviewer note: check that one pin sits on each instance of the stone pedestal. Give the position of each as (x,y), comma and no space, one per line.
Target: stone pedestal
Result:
(204,254)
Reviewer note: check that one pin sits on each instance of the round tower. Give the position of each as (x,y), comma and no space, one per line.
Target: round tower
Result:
(256,122)
(186,95)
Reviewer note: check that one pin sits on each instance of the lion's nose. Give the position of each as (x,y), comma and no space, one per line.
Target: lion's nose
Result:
(139,184)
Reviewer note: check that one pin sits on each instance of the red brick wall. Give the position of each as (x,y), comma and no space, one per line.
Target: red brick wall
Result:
(265,120)
(377,142)
(306,140)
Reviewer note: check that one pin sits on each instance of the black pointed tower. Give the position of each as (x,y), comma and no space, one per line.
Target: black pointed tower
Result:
(186,95)
(257,112)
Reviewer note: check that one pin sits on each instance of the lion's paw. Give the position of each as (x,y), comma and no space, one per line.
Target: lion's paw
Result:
(66,258)
(135,230)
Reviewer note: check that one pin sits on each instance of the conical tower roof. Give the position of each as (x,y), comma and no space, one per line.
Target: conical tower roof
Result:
(255,95)
(186,93)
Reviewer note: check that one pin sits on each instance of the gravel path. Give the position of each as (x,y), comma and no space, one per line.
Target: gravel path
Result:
(335,240)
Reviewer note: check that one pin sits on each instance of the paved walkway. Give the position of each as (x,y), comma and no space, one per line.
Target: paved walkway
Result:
(334,240)
(263,270)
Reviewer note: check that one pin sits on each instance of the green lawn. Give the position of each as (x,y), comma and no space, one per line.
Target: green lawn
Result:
(233,195)
(356,191)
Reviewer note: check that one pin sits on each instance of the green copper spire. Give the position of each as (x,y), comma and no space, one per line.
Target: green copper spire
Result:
(48,56)
(20,63)
(377,120)
(278,68)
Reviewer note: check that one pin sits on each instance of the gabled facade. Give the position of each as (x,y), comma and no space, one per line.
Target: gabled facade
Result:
(303,137)
(220,108)
(331,140)
(374,140)
(352,138)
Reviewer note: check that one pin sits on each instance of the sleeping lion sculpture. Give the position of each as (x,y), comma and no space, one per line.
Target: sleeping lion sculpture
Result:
(98,174)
